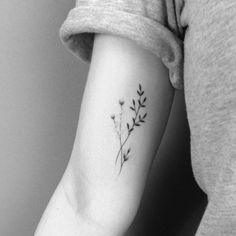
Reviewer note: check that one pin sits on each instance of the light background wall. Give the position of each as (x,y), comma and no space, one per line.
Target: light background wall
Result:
(41,87)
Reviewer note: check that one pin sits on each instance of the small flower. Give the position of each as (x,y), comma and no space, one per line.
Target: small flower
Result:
(112,116)
(121,101)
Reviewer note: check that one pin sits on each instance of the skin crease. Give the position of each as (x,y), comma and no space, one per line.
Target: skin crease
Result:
(92,198)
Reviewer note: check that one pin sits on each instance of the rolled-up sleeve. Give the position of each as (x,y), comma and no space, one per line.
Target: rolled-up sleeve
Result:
(152,24)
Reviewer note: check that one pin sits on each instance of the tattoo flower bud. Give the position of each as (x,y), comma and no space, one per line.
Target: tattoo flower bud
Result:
(122,102)
(112,116)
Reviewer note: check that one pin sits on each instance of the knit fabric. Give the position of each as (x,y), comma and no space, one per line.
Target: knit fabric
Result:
(196,40)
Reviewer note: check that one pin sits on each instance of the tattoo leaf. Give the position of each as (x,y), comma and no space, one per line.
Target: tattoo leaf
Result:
(140,87)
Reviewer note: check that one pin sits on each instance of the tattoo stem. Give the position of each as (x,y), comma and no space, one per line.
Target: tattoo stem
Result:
(128,134)
(122,163)
(121,154)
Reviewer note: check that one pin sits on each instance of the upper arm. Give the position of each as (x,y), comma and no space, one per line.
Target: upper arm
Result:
(107,177)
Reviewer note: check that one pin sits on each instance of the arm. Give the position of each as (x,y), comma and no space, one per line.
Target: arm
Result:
(100,191)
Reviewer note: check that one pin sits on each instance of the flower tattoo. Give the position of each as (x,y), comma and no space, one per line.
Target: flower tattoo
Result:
(124,153)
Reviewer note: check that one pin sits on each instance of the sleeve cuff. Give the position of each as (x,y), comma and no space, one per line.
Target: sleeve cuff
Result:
(77,33)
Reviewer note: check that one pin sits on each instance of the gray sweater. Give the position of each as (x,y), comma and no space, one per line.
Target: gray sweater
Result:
(196,40)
